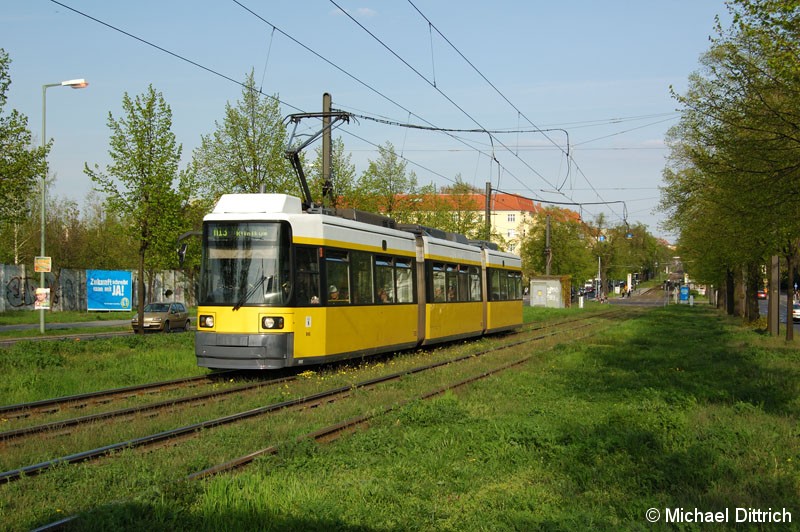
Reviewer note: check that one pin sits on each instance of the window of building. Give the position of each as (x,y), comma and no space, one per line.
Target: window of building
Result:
(512,217)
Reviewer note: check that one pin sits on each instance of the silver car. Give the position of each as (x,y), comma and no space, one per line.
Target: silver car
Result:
(163,317)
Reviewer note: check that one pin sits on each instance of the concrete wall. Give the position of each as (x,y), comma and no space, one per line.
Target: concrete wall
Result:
(68,288)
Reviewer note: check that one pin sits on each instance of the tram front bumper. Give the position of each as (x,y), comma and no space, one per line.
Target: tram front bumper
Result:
(243,351)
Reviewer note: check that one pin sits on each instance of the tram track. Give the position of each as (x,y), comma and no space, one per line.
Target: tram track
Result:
(8,342)
(84,400)
(324,397)
(334,431)
(132,411)
(105,397)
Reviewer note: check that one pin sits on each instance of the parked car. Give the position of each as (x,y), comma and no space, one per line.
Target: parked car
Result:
(761,294)
(796,312)
(163,317)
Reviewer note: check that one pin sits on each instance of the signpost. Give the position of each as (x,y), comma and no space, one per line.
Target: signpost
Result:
(42,265)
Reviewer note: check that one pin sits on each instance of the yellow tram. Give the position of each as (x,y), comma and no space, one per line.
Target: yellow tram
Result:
(283,287)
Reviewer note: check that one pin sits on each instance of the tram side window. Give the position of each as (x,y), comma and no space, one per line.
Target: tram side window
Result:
(505,285)
(516,279)
(337,270)
(452,282)
(404,272)
(463,283)
(384,279)
(362,291)
(438,282)
(498,286)
(475,284)
(307,267)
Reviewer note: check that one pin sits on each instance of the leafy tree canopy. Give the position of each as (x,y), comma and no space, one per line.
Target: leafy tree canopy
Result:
(246,152)
(22,166)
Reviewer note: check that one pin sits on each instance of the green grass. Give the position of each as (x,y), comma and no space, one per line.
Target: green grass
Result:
(22,317)
(678,408)
(31,317)
(44,369)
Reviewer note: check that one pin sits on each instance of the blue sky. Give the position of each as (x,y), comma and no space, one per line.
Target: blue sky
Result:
(601,70)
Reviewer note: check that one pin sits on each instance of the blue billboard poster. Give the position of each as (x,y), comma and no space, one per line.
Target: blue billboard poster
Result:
(108,290)
(684,293)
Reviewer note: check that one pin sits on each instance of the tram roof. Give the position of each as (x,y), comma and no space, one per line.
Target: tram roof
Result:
(285,206)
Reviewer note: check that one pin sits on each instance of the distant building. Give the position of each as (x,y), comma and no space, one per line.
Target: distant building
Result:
(508,213)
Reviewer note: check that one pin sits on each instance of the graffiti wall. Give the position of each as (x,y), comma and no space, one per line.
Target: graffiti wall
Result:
(68,288)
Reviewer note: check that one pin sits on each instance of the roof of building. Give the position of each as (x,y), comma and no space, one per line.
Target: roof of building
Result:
(501,202)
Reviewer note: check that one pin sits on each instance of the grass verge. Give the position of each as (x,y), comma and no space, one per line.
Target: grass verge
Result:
(676,409)
(34,370)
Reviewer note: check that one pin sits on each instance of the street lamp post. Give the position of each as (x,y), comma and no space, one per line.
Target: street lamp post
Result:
(75,84)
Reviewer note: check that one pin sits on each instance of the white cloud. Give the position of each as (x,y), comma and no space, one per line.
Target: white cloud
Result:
(361,12)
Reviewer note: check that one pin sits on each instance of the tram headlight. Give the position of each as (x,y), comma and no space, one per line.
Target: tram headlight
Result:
(205,321)
(270,322)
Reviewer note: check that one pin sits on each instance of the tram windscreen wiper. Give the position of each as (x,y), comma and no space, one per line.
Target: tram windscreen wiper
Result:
(252,291)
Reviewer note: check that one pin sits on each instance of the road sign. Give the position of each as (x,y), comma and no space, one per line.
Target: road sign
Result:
(42,264)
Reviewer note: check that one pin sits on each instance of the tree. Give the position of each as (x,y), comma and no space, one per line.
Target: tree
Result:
(735,162)
(465,210)
(568,239)
(22,168)
(385,186)
(246,152)
(454,208)
(101,226)
(139,182)
(343,175)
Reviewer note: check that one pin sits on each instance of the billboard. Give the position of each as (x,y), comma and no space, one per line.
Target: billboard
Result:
(108,290)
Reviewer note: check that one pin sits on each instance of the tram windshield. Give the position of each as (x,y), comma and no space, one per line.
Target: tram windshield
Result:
(245,264)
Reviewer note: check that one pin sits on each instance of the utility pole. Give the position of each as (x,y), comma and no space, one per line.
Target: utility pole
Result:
(328,199)
(774,299)
(488,210)
(599,280)
(548,251)
(330,120)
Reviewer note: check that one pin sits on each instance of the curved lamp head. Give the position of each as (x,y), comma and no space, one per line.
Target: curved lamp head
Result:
(75,83)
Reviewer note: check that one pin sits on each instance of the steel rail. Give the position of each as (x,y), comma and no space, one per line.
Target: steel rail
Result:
(9,410)
(35,469)
(325,433)
(24,408)
(338,428)
(8,342)
(66,423)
